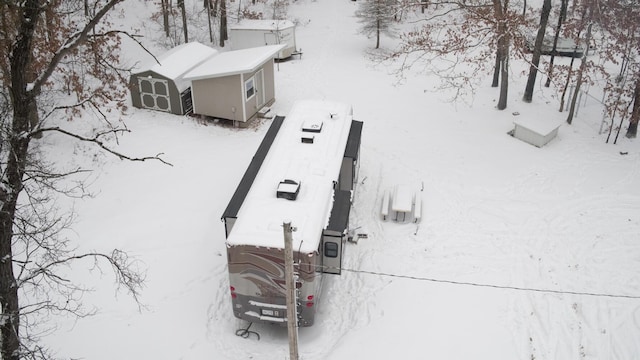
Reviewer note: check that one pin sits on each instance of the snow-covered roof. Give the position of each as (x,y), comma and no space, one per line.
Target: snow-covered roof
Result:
(234,62)
(315,166)
(249,24)
(175,63)
(539,125)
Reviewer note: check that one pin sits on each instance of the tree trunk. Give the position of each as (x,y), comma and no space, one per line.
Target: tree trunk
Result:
(208,7)
(22,103)
(26,73)
(632,130)
(165,16)
(504,80)
(377,33)
(10,325)
(566,84)
(583,65)
(537,51)
(223,22)
(184,20)
(556,36)
(215,8)
(500,10)
(496,70)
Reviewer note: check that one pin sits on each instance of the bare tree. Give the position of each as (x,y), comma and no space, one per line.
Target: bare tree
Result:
(456,39)
(561,17)
(620,21)
(279,9)
(500,8)
(185,26)
(579,78)
(165,6)
(574,28)
(207,7)
(376,18)
(537,51)
(632,130)
(78,61)
(223,22)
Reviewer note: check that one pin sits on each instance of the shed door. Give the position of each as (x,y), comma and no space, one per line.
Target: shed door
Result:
(260,95)
(154,94)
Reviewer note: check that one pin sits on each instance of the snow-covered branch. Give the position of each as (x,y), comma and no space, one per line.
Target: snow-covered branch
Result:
(97,140)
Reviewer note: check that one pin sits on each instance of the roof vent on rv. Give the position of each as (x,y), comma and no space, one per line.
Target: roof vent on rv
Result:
(312,125)
(288,189)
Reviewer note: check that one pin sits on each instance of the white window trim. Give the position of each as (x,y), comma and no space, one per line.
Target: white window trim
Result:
(252,82)
(153,82)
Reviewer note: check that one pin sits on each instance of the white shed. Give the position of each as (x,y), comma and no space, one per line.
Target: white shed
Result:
(254,33)
(235,85)
(536,131)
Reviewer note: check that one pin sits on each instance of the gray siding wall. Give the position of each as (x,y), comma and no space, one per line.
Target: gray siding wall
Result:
(218,97)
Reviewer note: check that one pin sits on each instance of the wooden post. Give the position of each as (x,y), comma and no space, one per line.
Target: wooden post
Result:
(292,313)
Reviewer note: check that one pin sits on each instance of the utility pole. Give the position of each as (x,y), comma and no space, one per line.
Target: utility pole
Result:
(292,313)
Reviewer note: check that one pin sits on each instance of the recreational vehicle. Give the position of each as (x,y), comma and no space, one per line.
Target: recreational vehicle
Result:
(304,172)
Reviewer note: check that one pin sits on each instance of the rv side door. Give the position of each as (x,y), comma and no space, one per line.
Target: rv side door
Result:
(331,254)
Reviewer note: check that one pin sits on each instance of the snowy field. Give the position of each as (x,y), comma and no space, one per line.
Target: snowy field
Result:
(498,213)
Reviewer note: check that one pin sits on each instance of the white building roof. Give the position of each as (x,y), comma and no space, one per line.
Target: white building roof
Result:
(175,63)
(249,24)
(540,125)
(234,62)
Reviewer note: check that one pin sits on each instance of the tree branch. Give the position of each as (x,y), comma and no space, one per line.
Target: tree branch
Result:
(130,36)
(71,44)
(96,140)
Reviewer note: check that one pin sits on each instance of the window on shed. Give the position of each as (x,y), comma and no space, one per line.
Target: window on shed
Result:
(249,89)
(148,100)
(162,103)
(145,86)
(161,88)
(154,93)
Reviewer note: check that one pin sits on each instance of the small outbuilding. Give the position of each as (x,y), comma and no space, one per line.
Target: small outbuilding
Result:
(160,85)
(251,33)
(234,85)
(537,132)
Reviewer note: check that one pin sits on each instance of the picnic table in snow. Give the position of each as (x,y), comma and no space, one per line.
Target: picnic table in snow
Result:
(404,202)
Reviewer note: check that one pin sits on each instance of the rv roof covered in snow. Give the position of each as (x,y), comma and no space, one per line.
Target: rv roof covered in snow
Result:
(316,166)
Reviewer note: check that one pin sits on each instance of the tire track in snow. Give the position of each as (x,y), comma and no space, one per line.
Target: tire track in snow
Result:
(221,323)
(349,302)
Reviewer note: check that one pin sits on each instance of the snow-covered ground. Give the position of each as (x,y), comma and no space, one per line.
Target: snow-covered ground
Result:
(497,212)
